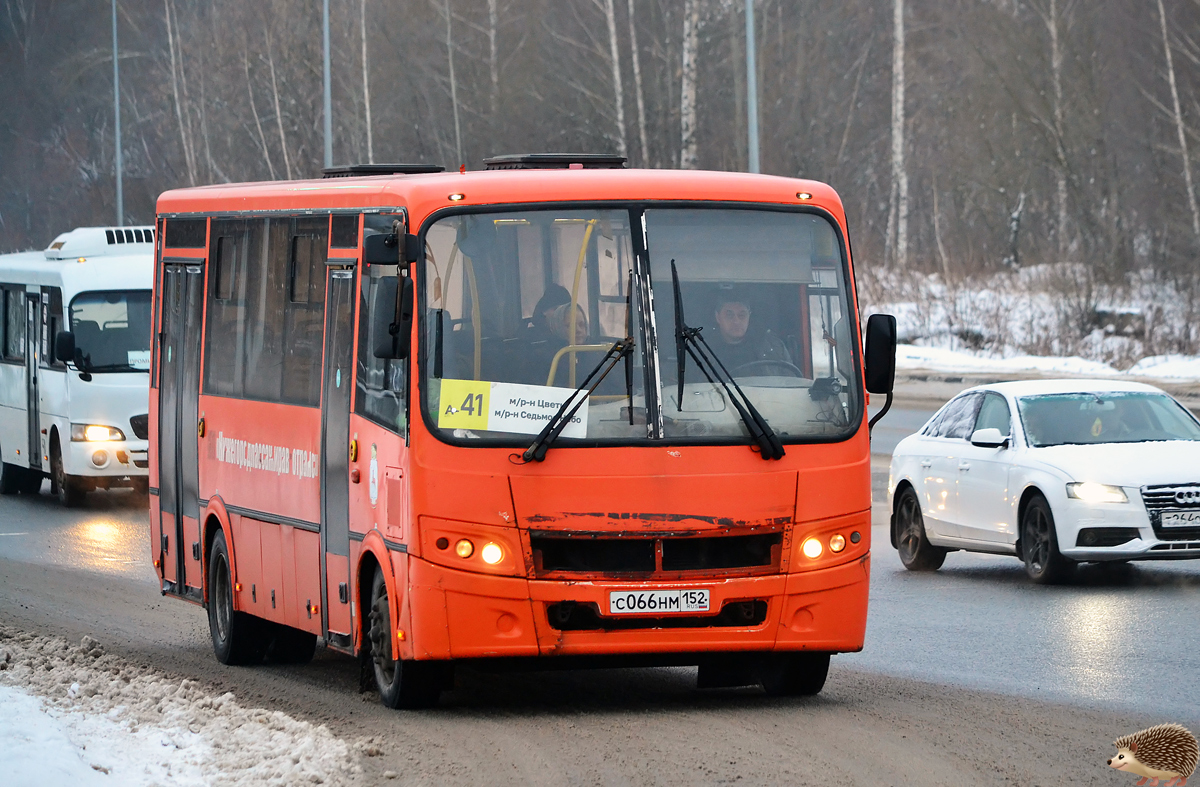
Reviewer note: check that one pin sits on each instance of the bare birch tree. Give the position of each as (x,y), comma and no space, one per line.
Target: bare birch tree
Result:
(189,155)
(1052,19)
(637,88)
(1179,127)
(898,209)
(618,91)
(688,155)
(493,59)
(453,83)
(366,83)
(287,160)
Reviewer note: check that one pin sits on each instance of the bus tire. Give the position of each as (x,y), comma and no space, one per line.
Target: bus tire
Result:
(237,638)
(408,685)
(69,490)
(12,477)
(795,674)
(292,646)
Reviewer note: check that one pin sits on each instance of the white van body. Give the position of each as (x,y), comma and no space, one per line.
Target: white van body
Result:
(95,282)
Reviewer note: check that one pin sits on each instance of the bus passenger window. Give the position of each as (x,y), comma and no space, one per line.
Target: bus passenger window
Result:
(14,325)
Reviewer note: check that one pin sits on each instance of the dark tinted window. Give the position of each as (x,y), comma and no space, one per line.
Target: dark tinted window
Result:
(994,415)
(380,394)
(344,234)
(183,233)
(959,417)
(14,324)
(261,344)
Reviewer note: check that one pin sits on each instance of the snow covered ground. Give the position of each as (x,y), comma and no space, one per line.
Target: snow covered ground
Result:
(1164,367)
(74,716)
(1054,319)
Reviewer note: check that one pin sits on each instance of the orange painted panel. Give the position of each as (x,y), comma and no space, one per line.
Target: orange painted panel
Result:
(246,548)
(307,555)
(292,613)
(481,626)
(652,503)
(263,457)
(834,490)
(155,528)
(193,566)
(271,594)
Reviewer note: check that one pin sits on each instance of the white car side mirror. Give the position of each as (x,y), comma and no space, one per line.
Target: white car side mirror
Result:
(989,438)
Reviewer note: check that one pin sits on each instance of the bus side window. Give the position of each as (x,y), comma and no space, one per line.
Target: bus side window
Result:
(14,325)
(381,390)
(52,302)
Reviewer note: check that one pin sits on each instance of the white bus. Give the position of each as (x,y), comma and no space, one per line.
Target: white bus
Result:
(75,363)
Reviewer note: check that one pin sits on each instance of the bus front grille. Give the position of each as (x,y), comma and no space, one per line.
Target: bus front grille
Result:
(606,554)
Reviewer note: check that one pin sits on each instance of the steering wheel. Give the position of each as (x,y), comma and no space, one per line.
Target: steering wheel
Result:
(767,363)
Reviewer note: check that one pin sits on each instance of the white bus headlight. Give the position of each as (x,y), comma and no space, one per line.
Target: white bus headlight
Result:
(1091,492)
(95,433)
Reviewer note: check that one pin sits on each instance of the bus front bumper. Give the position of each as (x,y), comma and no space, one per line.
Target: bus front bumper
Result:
(457,614)
(108,459)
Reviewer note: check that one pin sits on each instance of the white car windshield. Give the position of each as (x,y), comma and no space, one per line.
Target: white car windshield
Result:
(1111,417)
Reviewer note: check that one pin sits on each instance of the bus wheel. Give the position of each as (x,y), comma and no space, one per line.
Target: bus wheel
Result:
(67,488)
(237,638)
(12,477)
(292,646)
(402,684)
(795,674)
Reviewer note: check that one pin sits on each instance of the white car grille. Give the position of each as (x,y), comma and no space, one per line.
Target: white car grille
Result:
(1172,497)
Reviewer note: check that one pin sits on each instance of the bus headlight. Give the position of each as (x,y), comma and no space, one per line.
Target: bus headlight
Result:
(464,548)
(95,433)
(811,548)
(491,553)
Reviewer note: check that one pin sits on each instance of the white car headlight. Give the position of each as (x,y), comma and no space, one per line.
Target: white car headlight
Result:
(1091,492)
(95,433)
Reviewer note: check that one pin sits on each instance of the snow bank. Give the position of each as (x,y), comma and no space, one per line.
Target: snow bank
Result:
(1050,318)
(101,720)
(938,358)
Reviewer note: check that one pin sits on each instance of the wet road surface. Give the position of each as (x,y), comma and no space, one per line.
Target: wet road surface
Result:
(1122,638)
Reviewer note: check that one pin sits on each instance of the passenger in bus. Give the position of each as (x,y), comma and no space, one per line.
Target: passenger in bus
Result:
(550,332)
(737,344)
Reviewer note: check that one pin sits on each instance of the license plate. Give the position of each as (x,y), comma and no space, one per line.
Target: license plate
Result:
(1180,519)
(635,602)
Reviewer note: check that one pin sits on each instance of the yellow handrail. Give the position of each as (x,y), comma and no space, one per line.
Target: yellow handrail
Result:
(587,236)
(572,349)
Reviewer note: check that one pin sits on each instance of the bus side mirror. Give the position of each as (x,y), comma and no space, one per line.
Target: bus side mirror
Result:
(380,249)
(880,354)
(64,347)
(392,317)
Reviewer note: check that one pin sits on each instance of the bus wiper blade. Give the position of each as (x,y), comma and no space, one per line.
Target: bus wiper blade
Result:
(536,452)
(689,341)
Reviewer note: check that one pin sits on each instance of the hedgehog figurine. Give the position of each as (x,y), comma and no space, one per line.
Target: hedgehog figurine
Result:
(1167,751)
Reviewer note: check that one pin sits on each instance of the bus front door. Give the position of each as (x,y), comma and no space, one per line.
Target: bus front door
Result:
(335,454)
(33,343)
(179,394)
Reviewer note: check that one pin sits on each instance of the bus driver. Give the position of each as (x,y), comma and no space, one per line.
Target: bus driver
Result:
(735,344)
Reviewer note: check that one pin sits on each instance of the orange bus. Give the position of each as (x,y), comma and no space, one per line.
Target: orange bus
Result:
(551,413)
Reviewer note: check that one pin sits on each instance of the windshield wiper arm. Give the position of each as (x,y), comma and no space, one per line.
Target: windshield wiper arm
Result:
(689,341)
(536,452)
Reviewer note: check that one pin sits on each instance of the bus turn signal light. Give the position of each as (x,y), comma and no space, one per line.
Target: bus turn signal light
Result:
(837,542)
(812,548)
(491,553)
(464,548)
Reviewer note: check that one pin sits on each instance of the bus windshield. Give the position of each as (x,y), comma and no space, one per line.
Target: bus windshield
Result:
(521,306)
(112,330)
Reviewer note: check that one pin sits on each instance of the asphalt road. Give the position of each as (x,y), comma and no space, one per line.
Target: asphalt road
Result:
(969,675)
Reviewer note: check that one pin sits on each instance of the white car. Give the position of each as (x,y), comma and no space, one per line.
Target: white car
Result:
(1055,472)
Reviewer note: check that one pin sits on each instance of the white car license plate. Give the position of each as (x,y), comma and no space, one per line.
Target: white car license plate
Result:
(633,602)
(1180,519)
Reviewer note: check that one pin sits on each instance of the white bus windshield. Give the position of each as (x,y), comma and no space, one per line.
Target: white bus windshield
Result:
(112,330)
